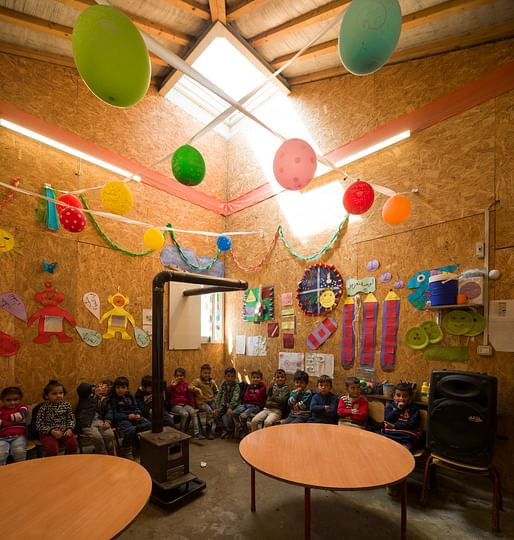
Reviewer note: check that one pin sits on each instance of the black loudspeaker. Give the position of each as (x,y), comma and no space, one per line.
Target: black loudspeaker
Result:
(462,416)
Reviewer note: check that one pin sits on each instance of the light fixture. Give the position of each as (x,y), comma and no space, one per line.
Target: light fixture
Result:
(68,149)
(374,148)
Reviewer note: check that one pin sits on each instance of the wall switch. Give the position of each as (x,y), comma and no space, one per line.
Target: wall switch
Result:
(479,250)
(485,350)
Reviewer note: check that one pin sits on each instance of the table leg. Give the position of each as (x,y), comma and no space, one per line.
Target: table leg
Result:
(307,514)
(252,482)
(403,502)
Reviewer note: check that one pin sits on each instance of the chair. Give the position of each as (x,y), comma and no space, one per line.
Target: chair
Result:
(420,452)
(490,471)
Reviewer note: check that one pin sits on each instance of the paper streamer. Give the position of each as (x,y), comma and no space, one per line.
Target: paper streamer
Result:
(14,305)
(390,321)
(369,330)
(348,346)
(92,303)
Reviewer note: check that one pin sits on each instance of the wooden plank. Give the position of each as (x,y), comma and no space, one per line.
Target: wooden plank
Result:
(193,8)
(218,11)
(332,9)
(150,27)
(36,54)
(11,16)
(244,8)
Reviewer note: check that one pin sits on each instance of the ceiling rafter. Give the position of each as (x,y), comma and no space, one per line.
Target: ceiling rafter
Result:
(47,27)
(328,11)
(150,27)
(412,20)
(244,8)
(193,8)
(478,37)
(218,10)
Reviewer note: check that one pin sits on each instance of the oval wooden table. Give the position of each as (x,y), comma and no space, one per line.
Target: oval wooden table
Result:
(330,457)
(71,497)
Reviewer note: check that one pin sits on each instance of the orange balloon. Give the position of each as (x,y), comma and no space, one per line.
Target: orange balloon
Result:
(396,210)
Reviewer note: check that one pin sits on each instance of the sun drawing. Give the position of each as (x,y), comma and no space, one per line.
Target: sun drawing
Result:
(7,242)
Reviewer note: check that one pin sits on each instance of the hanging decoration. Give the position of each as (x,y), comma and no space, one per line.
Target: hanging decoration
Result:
(72,219)
(51,317)
(111,56)
(13,304)
(390,323)
(320,289)
(224,243)
(92,303)
(117,198)
(419,282)
(369,330)
(358,197)
(321,333)
(153,238)
(9,197)
(263,261)
(259,304)
(188,165)
(88,336)
(49,267)
(348,345)
(294,164)
(9,345)
(118,317)
(396,210)
(68,199)
(46,210)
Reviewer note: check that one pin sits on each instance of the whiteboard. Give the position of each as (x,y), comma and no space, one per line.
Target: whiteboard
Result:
(184,317)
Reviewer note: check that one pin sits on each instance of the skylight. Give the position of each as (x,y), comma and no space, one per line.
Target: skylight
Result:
(228,64)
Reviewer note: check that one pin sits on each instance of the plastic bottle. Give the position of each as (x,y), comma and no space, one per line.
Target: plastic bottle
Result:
(425,389)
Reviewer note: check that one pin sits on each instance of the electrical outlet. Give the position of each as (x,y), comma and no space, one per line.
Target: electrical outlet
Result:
(485,350)
(480,250)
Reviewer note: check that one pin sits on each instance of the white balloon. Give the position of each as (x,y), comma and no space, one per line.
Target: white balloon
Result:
(494,274)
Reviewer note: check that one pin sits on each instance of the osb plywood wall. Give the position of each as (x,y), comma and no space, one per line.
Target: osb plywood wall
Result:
(459,166)
(144,133)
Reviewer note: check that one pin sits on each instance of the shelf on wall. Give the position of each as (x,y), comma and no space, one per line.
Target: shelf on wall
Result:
(453,306)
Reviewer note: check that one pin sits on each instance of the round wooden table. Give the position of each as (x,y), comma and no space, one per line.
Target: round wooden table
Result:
(73,496)
(330,457)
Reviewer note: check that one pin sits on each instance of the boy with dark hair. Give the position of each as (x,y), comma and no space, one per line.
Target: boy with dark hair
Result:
(278,394)
(299,400)
(226,401)
(143,397)
(253,401)
(123,413)
(205,401)
(401,417)
(324,403)
(353,408)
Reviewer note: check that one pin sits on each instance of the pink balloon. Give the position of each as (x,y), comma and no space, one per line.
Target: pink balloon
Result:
(294,164)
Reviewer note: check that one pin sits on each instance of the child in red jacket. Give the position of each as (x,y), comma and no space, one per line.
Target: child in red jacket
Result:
(254,400)
(353,408)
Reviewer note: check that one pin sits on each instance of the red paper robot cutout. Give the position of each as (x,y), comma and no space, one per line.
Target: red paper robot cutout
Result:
(51,316)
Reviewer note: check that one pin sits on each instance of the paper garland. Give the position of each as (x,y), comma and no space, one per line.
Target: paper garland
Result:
(369,330)
(390,322)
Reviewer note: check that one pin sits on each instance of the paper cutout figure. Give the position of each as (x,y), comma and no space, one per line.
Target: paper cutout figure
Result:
(398,284)
(385,277)
(49,267)
(14,305)
(419,281)
(372,265)
(9,345)
(258,304)
(321,333)
(7,242)
(171,256)
(365,285)
(118,317)
(142,338)
(88,336)
(51,316)
(92,303)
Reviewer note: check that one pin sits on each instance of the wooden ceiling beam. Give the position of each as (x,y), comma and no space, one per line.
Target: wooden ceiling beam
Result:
(244,8)
(471,39)
(150,27)
(34,54)
(218,11)
(328,11)
(413,20)
(193,8)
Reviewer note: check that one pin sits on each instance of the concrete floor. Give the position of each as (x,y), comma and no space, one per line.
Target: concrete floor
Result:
(457,510)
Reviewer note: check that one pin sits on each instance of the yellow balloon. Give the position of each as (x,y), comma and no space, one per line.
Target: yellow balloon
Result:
(116,198)
(153,238)
(6,241)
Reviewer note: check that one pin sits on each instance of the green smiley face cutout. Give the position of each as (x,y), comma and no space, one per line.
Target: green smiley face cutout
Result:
(416,338)
(458,322)
(433,330)
(478,324)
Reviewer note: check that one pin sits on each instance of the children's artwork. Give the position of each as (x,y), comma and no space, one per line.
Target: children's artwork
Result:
(289,324)
(49,267)
(92,303)
(321,333)
(369,330)
(47,210)
(390,322)
(288,340)
(446,353)
(240,344)
(7,241)
(348,345)
(256,346)
(118,317)
(273,329)
(147,320)
(287,312)
(399,284)
(317,364)
(14,305)
(373,265)
(141,337)
(89,337)
(365,285)
(419,282)
(290,362)
(9,345)
(171,256)
(320,289)
(258,304)
(51,317)
(385,277)
(501,324)
(286,299)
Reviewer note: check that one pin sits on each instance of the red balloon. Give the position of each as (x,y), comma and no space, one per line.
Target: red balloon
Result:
(68,199)
(73,219)
(358,197)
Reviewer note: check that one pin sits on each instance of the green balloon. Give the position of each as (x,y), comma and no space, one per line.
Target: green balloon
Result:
(188,165)
(369,34)
(111,56)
